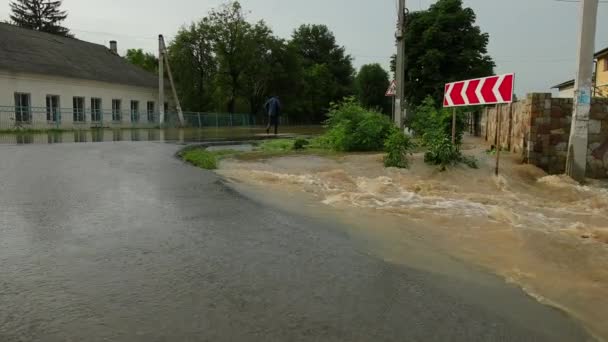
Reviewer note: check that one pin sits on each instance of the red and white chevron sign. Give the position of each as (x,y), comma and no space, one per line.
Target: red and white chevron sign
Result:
(480,91)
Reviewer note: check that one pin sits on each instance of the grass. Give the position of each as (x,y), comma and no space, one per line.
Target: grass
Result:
(208,160)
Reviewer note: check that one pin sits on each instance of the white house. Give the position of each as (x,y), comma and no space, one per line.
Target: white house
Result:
(49,81)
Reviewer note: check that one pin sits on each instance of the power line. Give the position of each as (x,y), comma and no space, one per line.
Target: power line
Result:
(576,1)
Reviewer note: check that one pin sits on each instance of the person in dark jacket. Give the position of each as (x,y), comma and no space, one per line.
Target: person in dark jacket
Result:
(273,109)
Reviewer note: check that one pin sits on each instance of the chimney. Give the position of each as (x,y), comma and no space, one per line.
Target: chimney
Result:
(114,47)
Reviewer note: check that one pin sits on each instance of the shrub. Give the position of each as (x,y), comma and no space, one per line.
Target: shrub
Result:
(300,144)
(434,126)
(397,146)
(354,128)
(443,153)
(429,123)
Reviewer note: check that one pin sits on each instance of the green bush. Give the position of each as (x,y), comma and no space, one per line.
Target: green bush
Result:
(443,153)
(354,128)
(431,123)
(300,144)
(397,146)
(434,126)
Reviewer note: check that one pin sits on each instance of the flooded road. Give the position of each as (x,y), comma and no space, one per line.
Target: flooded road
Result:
(174,135)
(543,233)
(123,242)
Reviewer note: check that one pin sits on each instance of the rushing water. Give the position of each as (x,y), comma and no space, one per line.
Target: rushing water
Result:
(162,135)
(546,233)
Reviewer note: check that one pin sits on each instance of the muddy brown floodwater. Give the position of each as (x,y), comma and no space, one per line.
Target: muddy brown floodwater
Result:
(545,233)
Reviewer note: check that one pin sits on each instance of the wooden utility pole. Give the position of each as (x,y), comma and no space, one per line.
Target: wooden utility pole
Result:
(400,66)
(576,166)
(163,48)
(161,82)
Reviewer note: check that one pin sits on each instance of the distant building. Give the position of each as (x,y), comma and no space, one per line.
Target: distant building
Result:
(600,78)
(566,89)
(49,81)
(601,73)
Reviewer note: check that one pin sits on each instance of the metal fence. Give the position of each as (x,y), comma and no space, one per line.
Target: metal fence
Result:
(45,118)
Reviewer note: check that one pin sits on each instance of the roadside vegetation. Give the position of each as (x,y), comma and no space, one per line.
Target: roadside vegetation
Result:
(350,127)
(434,128)
(200,157)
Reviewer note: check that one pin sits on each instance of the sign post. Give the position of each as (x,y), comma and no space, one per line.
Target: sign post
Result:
(481,91)
(392,93)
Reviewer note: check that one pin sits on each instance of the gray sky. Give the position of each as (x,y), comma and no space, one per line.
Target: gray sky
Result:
(536,39)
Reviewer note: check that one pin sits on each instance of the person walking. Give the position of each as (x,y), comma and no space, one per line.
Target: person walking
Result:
(273,109)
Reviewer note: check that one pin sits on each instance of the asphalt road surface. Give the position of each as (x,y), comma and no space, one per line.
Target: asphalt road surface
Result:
(124,242)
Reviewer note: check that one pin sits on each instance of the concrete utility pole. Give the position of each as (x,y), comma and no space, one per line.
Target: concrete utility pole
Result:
(161,81)
(400,67)
(163,48)
(576,166)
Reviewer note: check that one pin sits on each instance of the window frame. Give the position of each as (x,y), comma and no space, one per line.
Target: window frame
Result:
(96,113)
(53,112)
(150,110)
(134,111)
(78,111)
(116,110)
(21,111)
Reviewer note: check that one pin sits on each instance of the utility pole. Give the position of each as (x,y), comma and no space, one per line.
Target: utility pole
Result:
(576,166)
(163,48)
(400,67)
(161,81)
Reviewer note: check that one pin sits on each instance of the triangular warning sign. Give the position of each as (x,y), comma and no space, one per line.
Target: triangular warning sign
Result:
(392,89)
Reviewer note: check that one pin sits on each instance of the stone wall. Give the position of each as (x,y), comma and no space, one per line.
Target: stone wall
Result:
(538,129)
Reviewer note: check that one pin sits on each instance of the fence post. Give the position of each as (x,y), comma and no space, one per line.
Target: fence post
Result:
(199,119)
(217,122)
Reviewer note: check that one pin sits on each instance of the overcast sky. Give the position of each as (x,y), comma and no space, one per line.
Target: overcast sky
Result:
(536,39)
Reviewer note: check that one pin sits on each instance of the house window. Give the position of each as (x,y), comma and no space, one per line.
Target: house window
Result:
(52,108)
(23,111)
(78,109)
(134,111)
(116,110)
(95,109)
(606,64)
(150,111)
(166,107)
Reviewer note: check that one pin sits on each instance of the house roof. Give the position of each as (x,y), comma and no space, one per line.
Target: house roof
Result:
(29,51)
(601,53)
(566,84)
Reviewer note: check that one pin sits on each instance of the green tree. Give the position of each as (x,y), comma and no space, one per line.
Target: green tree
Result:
(371,84)
(40,15)
(443,45)
(325,64)
(263,52)
(230,34)
(145,60)
(194,66)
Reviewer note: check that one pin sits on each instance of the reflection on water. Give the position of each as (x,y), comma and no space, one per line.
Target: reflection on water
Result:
(545,233)
(164,135)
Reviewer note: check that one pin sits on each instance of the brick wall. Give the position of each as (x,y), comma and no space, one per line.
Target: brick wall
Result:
(538,129)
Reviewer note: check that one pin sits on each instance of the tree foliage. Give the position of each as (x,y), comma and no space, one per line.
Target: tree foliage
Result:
(40,15)
(194,66)
(443,45)
(371,84)
(225,62)
(328,71)
(145,60)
